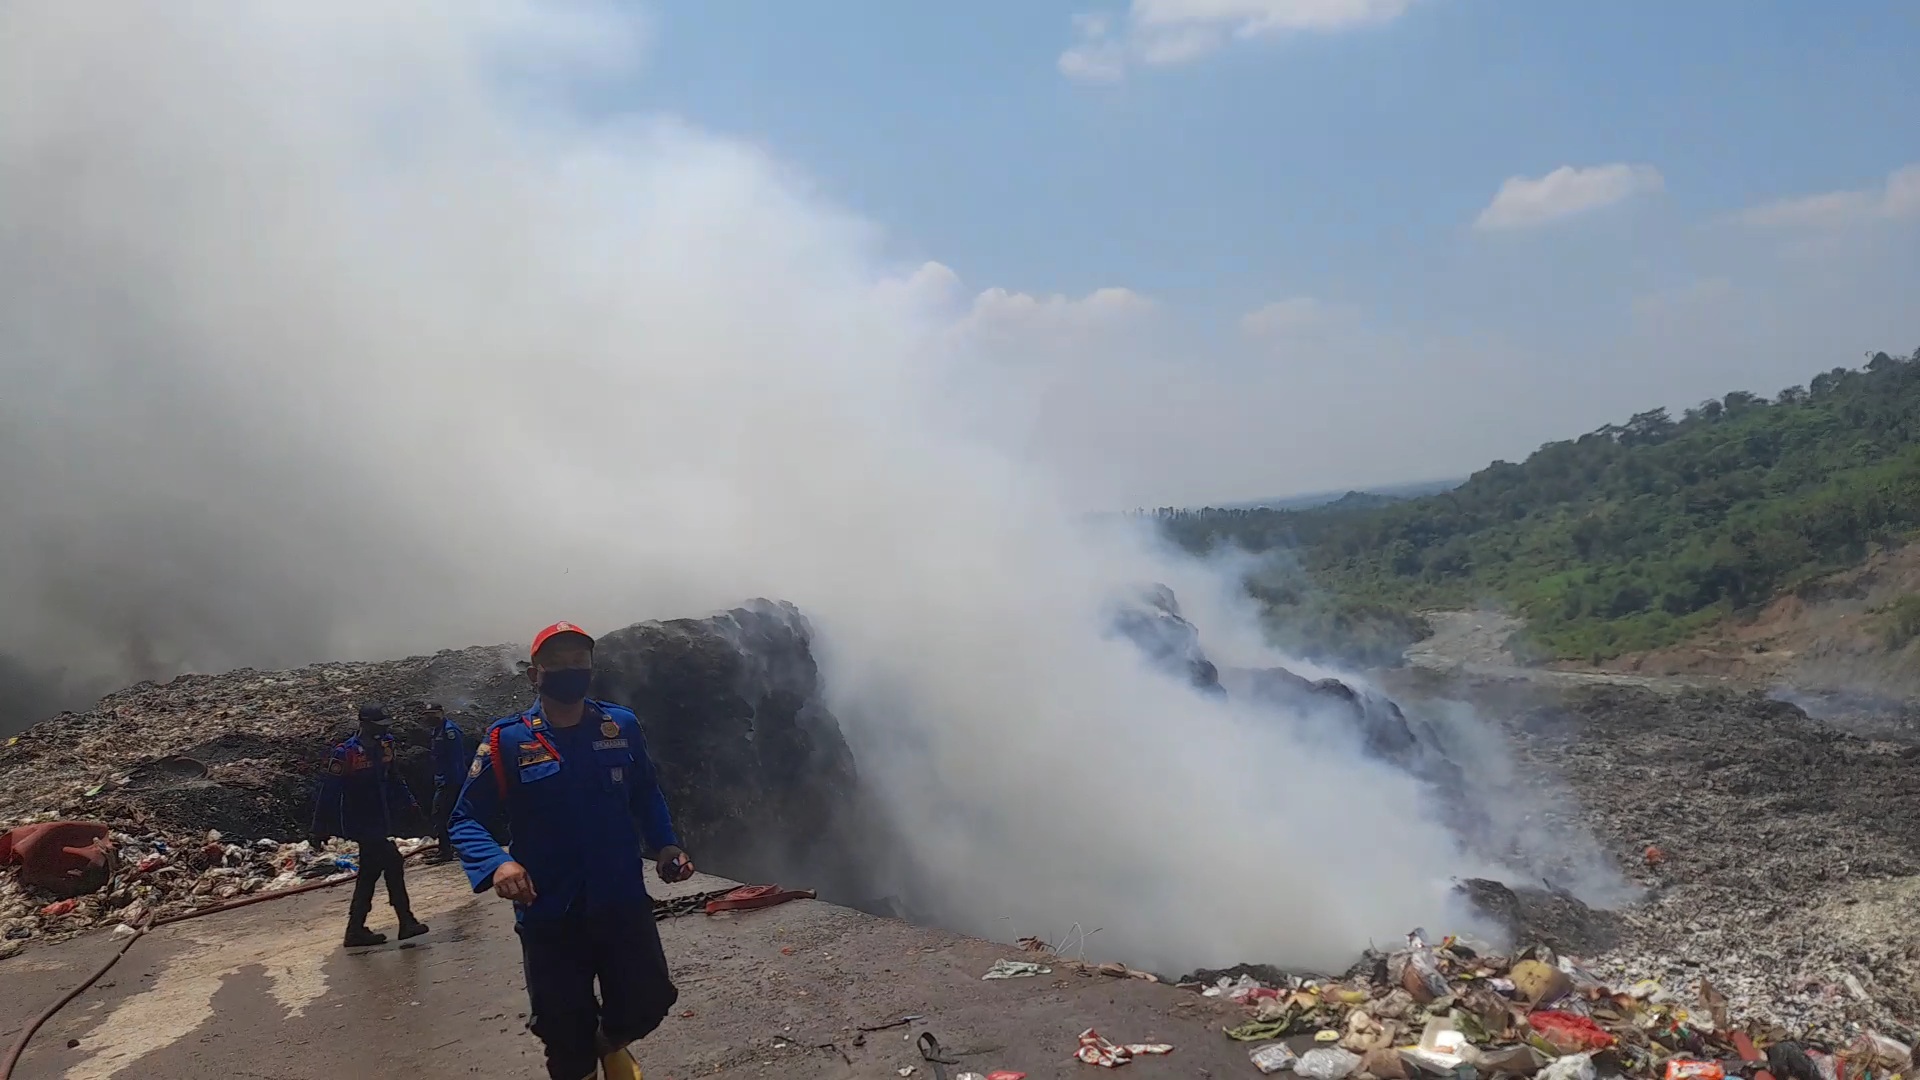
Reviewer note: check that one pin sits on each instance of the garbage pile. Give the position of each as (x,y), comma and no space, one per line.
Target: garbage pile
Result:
(1771,849)
(760,779)
(159,877)
(1459,1011)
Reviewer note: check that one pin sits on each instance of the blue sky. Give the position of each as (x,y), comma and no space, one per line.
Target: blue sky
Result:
(1348,162)
(1357,156)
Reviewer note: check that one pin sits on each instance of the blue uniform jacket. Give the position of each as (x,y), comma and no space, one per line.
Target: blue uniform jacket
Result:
(578,802)
(449,754)
(360,792)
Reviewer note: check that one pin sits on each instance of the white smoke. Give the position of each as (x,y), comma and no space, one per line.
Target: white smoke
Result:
(332,330)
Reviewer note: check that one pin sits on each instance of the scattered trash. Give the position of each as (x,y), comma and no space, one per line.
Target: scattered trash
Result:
(1095,1050)
(1571,1067)
(1276,1057)
(65,858)
(1240,991)
(751,897)
(1420,973)
(1461,1012)
(1789,1061)
(1003,1074)
(1538,983)
(1015,969)
(1262,1030)
(1566,1033)
(1873,1050)
(1327,1063)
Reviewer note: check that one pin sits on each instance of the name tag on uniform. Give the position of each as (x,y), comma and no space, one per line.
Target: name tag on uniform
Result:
(609,744)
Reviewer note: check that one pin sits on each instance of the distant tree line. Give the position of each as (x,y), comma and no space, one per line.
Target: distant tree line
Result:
(1629,537)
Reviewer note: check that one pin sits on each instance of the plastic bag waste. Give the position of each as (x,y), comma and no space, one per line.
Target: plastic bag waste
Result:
(1327,1063)
(1571,1067)
(1015,969)
(1876,1051)
(1422,977)
(1095,1050)
(1273,1058)
(1566,1033)
(1240,991)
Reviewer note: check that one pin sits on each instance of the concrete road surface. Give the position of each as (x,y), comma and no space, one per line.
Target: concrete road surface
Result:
(266,991)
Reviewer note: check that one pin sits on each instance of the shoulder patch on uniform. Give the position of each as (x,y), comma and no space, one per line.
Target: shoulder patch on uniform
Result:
(336,766)
(479,762)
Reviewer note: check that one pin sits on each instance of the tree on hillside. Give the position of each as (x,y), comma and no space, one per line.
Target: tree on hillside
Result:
(1635,534)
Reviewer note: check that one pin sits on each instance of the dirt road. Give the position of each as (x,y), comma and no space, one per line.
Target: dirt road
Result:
(1475,643)
(267,992)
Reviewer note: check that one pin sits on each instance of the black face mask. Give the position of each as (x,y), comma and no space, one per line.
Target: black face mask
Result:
(566,686)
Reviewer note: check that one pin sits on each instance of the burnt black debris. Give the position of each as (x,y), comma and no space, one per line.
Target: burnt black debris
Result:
(1554,918)
(1151,618)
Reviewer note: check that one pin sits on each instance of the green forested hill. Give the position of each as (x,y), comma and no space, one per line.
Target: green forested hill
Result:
(1629,537)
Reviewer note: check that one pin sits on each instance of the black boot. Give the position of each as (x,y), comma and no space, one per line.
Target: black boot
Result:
(357,911)
(410,927)
(358,936)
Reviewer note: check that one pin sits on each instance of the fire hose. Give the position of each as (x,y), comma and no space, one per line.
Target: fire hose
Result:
(149,923)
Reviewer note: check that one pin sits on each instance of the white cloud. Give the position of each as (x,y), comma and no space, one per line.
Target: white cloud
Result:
(1164,33)
(1294,315)
(1896,200)
(1525,202)
(936,288)
(1100,308)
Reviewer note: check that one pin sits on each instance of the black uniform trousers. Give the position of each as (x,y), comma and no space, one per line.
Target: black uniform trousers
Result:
(620,948)
(444,798)
(379,858)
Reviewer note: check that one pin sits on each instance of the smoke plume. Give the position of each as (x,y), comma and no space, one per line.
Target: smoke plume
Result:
(339,331)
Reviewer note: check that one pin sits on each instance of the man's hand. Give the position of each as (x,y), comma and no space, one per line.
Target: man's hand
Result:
(512,883)
(674,865)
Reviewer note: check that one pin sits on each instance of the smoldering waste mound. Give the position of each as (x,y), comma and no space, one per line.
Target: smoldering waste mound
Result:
(761,782)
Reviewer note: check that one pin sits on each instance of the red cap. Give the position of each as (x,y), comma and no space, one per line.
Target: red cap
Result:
(555,630)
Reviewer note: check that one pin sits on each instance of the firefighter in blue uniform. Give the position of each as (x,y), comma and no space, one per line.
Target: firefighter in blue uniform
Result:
(572,779)
(450,759)
(359,795)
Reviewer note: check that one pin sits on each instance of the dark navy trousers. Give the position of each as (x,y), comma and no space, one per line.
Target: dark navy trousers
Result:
(620,950)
